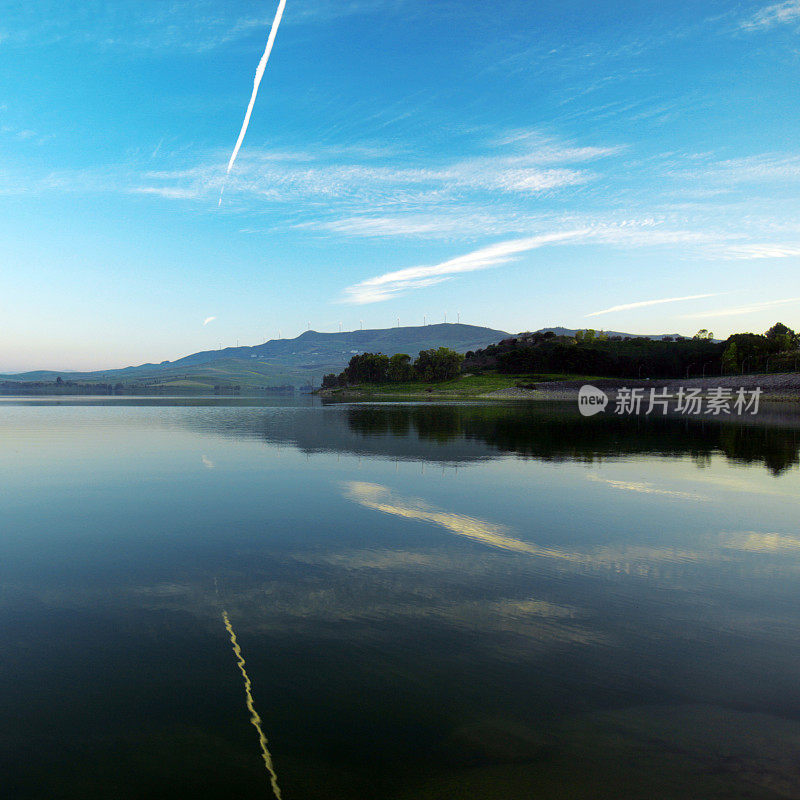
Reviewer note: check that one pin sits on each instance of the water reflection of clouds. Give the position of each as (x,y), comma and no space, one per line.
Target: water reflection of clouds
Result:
(758,542)
(753,484)
(645,488)
(380,498)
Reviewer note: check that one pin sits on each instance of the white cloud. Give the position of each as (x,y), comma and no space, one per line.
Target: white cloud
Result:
(751,309)
(769,16)
(643,303)
(541,149)
(378,178)
(383,287)
(762,167)
(752,251)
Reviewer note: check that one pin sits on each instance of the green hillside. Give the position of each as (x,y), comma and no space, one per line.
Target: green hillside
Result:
(279,362)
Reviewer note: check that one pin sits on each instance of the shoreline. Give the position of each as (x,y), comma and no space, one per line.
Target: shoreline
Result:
(776,387)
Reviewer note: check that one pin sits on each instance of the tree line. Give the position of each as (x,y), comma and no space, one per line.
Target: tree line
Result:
(434,365)
(592,353)
(588,352)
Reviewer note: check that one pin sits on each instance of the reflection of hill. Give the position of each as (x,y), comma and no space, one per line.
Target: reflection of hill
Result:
(555,433)
(464,433)
(389,432)
(530,432)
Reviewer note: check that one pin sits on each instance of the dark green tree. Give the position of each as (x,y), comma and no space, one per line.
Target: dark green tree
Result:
(367,368)
(438,365)
(400,370)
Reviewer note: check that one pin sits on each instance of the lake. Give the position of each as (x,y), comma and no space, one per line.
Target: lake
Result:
(406,600)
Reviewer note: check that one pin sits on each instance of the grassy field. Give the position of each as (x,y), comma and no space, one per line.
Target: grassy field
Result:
(463,386)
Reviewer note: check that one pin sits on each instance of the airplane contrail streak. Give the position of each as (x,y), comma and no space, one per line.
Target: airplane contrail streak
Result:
(262,65)
(255,719)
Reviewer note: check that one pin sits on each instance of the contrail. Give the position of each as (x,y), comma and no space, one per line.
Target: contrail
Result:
(262,65)
(254,718)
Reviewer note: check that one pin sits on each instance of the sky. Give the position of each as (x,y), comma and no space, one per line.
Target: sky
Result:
(630,165)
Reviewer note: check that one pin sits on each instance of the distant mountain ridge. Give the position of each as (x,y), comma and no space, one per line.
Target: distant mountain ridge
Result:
(289,362)
(278,362)
(573,331)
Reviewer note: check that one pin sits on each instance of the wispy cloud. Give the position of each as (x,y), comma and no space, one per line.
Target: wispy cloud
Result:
(385,286)
(763,167)
(769,16)
(643,303)
(208,319)
(379,177)
(752,251)
(195,27)
(749,309)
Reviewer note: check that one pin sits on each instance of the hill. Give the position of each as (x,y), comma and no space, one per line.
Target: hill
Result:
(279,362)
(573,331)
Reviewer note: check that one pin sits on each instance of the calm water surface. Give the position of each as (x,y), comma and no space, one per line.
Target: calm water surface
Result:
(431,601)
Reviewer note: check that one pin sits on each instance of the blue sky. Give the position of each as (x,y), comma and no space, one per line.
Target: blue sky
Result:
(520,164)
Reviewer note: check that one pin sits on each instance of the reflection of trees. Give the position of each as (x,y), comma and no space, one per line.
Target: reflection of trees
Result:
(555,433)
(436,423)
(777,448)
(376,421)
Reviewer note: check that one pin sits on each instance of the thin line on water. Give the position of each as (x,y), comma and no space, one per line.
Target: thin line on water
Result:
(255,719)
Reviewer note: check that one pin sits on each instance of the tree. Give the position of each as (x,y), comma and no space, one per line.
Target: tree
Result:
(703,334)
(399,369)
(438,365)
(782,337)
(330,381)
(730,358)
(366,368)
